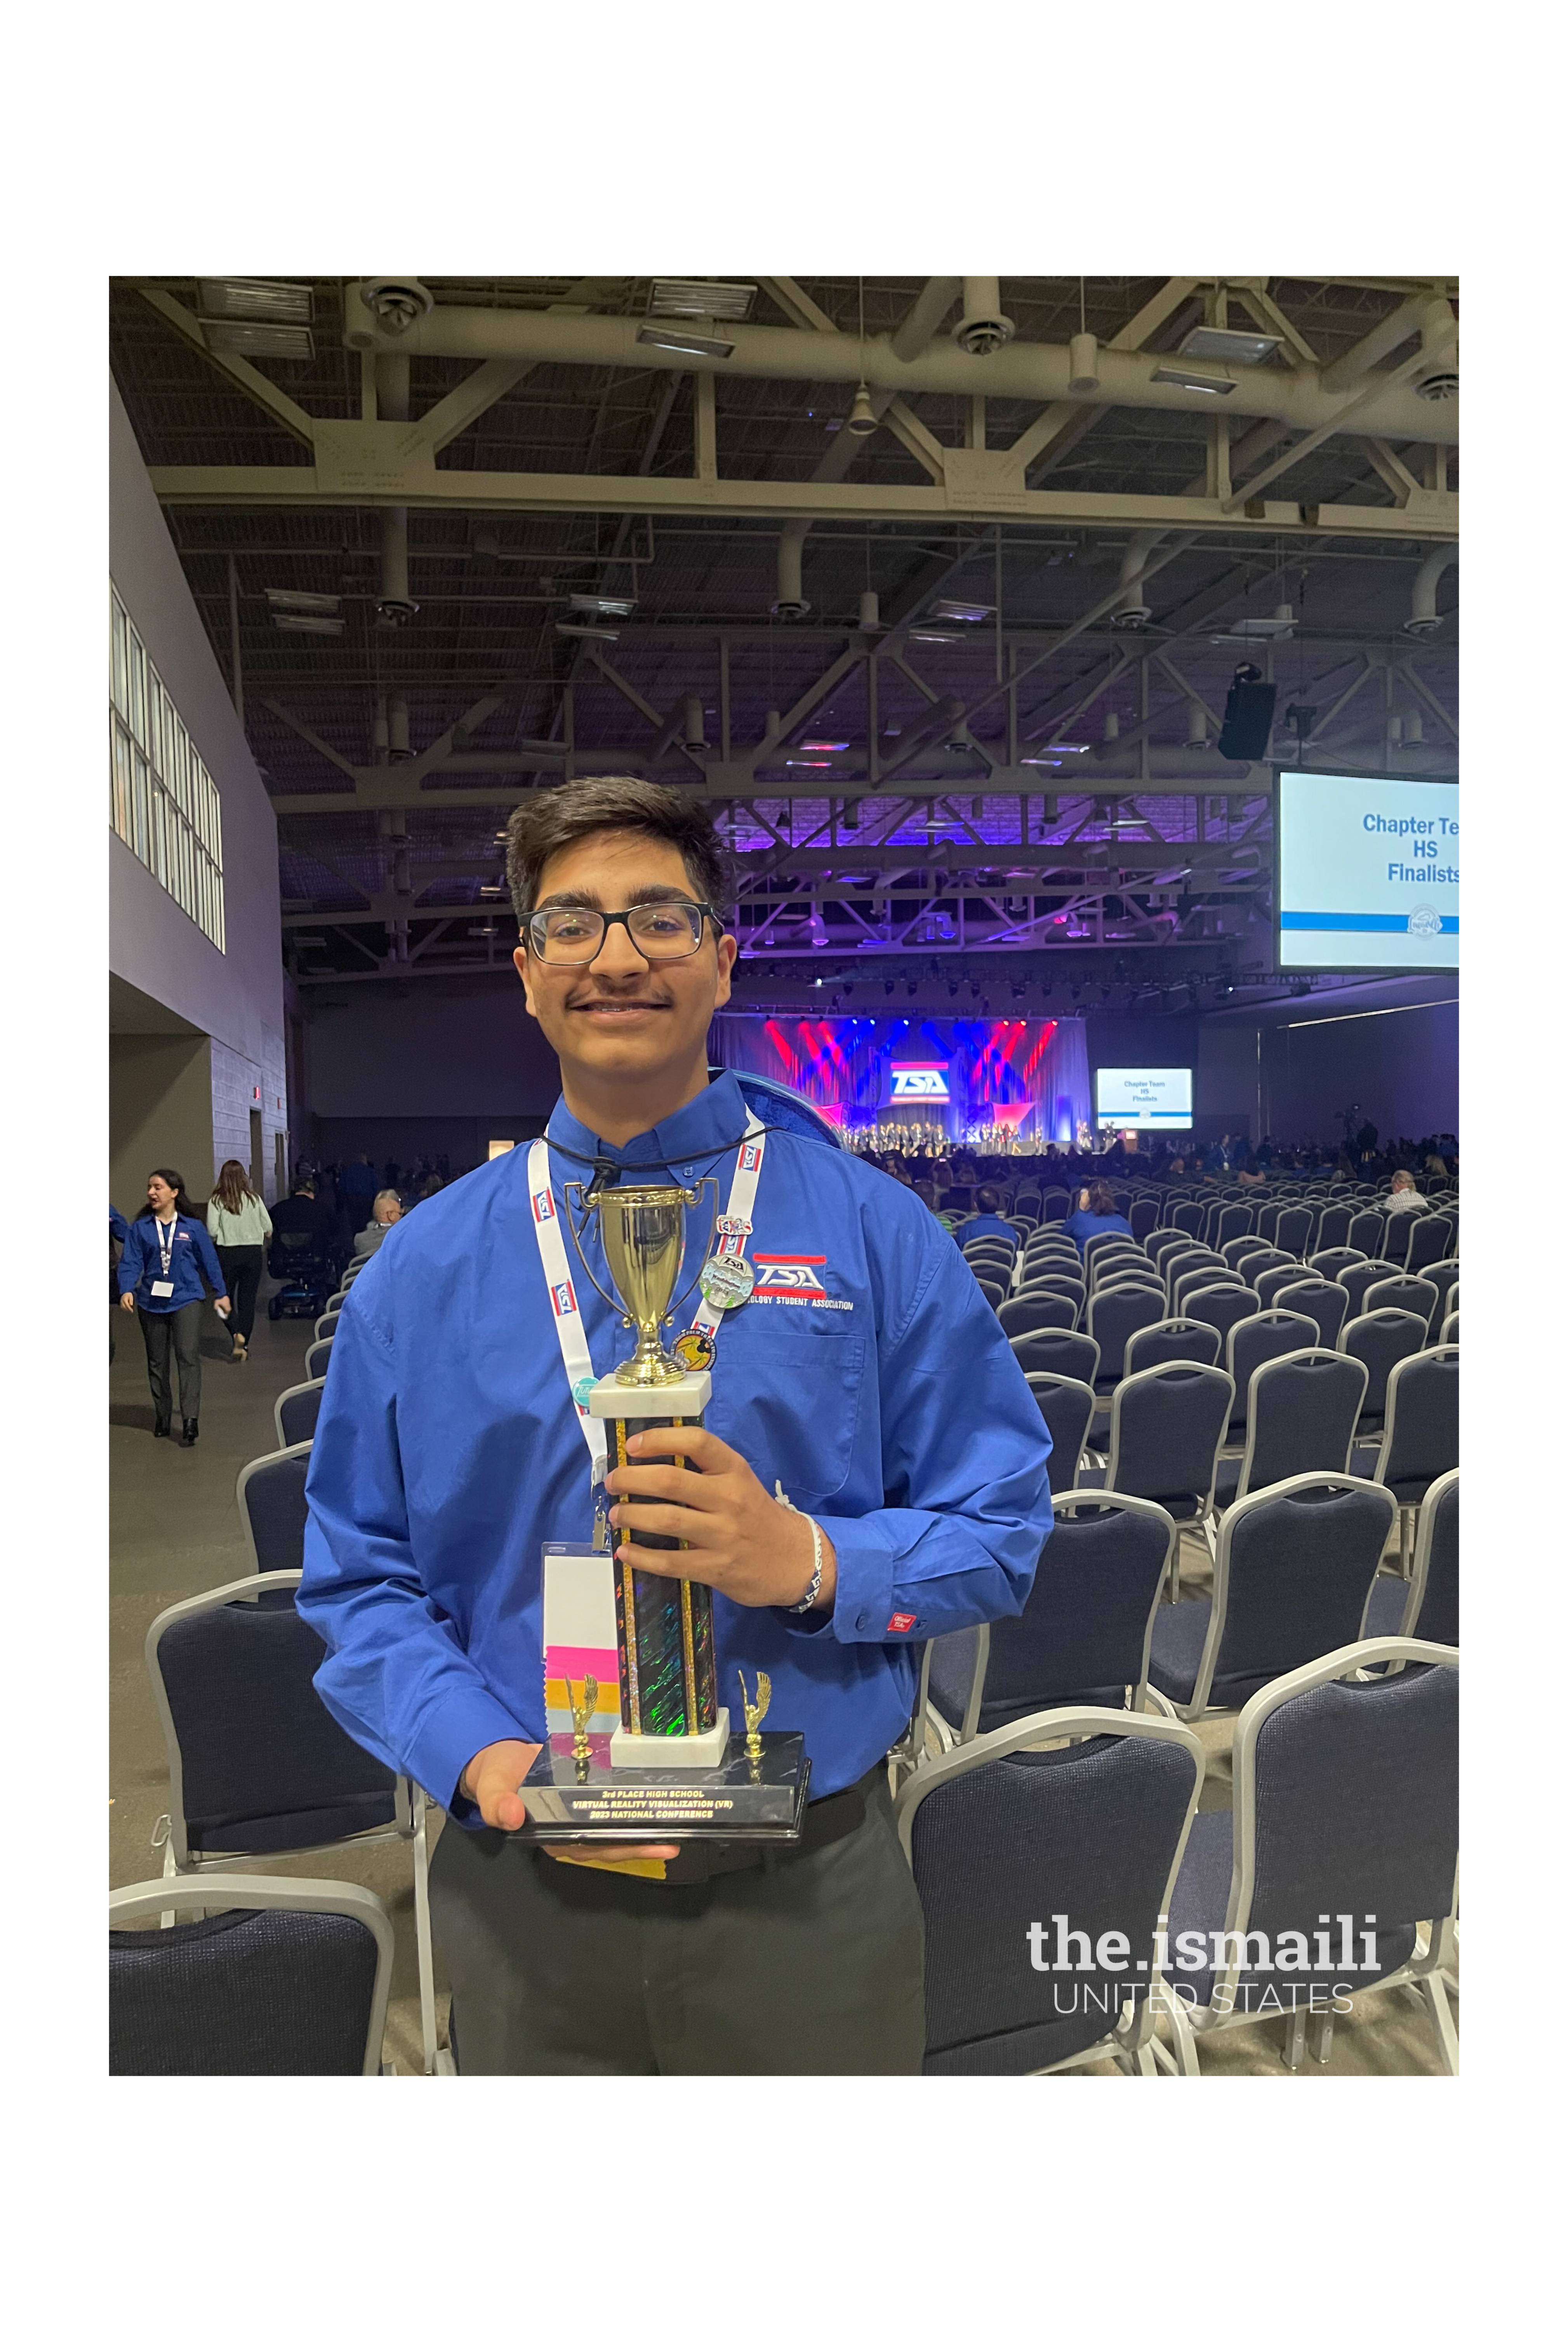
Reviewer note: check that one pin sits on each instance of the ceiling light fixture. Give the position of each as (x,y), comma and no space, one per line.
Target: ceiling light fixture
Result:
(585,629)
(606,608)
(1192,379)
(255,297)
(676,339)
(935,638)
(261,338)
(307,625)
(955,608)
(697,298)
(861,418)
(302,600)
(1228,343)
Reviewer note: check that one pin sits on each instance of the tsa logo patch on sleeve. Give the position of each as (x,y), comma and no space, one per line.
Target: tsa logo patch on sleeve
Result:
(902,1621)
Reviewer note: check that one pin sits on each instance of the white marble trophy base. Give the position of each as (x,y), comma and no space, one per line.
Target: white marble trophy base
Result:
(682,1399)
(636,1752)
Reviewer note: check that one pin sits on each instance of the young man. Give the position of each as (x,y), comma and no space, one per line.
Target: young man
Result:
(864,1378)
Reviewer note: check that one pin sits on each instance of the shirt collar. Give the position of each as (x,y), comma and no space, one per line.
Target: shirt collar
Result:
(711,1122)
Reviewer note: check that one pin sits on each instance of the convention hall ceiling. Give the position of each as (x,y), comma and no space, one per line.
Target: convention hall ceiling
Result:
(935,588)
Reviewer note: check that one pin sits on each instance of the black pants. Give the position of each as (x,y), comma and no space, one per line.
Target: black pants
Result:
(182,1331)
(807,1963)
(242,1279)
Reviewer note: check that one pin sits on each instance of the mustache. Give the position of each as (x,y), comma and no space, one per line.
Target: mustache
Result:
(638,995)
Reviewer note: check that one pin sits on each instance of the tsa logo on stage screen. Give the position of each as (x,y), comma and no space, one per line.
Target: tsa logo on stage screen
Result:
(922,1082)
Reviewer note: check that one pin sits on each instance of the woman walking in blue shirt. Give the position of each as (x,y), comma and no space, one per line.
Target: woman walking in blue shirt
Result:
(168,1255)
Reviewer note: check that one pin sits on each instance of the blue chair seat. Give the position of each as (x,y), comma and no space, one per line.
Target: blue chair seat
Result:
(1176,1649)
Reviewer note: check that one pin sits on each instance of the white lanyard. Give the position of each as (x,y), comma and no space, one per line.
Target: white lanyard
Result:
(165,1248)
(734,1226)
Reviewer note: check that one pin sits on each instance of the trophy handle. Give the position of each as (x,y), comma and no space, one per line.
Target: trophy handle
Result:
(695,1197)
(576,1219)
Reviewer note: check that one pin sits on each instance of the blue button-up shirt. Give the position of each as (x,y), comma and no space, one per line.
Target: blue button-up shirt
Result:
(869,1377)
(192,1261)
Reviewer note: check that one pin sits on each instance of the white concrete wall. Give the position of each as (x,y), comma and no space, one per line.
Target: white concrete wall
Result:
(234,997)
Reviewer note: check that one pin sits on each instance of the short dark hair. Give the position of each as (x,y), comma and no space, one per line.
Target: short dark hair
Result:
(551,821)
(988,1199)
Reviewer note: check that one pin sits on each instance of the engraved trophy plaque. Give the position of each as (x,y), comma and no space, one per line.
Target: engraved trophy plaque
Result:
(673,1767)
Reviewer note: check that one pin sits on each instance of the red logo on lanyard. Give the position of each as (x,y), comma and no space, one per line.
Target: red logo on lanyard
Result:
(751,1157)
(543,1207)
(566,1304)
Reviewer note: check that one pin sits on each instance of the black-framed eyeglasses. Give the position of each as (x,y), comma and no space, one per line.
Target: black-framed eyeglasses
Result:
(662,932)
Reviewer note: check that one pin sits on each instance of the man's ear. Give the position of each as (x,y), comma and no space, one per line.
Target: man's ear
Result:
(729,948)
(519,958)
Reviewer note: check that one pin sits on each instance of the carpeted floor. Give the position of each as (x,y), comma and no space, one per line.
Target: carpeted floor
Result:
(175,1531)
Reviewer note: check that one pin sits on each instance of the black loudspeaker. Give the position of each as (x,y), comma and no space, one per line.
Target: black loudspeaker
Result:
(1248,716)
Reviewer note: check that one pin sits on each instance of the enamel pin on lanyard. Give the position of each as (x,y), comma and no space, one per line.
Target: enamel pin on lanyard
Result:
(726,1280)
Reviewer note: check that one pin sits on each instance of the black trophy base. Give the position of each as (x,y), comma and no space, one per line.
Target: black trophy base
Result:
(741,1797)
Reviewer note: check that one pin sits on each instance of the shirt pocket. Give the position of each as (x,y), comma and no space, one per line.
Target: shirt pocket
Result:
(791,1404)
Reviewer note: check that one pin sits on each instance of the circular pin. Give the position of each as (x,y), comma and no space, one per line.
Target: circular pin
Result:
(694,1351)
(727,1281)
(582,1390)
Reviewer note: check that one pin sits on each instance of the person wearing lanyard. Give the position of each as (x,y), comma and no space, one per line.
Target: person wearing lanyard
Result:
(168,1255)
(873,1472)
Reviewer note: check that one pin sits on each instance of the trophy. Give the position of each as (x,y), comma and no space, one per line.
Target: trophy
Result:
(673,1767)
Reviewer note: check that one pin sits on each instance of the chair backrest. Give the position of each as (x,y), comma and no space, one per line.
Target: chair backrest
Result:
(1347,1801)
(1331,1263)
(1166,1428)
(1293,1228)
(334,1306)
(1356,1280)
(1083,1633)
(1220,1306)
(1409,1292)
(1333,1225)
(1116,1244)
(1054,1204)
(1053,1285)
(1365,1232)
(256,1763)
(1203,1277)
(1190,1260)
(1161,1246)
(1070,1353)
(1067,1408)
(1325,1302)
(1292,1571)
(317,1356)
(1257,1339)
(1041,1312)
(1267,1218)
(1126,1277)
(1143,1216)
(1235,1221)
(1190,1215)
(1259,1262)
(1446,1275)
(1233,1252)
(993,1293)
(1449,1333)
(1302,1414)
(1380,1340)
(1421,1422)
(1396,1233)
(1434,1606)
(270,1492)
(1178,1340)
(292,1982)
(1429,1242)
(295,1414)
(1092,1833)
(325,1325)
(1113,1316)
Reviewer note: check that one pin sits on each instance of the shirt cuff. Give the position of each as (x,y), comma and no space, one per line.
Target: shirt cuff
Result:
(449,1735)
(863,1602)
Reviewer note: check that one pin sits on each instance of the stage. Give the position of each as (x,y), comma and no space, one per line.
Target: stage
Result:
(968,1079)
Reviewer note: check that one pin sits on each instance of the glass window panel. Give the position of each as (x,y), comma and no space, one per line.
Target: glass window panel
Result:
(118,673)
(136,712)
(119,767)
(139,837)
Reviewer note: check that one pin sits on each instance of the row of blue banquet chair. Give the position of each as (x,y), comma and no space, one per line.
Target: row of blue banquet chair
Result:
(293,1976)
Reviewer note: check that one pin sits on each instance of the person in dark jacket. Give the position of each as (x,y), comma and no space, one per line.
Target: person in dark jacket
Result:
(169,1255)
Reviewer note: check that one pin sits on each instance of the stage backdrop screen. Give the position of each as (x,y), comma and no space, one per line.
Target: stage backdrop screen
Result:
(1368,875)
(1143,1097)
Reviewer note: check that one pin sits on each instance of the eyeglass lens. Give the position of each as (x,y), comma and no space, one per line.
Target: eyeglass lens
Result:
(574,934)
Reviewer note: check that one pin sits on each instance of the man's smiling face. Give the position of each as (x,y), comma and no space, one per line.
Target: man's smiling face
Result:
(622,1017)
